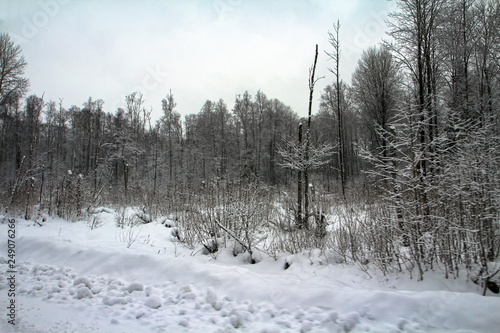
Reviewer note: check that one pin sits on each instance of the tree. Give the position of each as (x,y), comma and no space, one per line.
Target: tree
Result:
(244,111)
(326,130)
(376,84)
(486,61)
(13,87)
(170,122)
(312,83)
(12,65)
(456,44)
(441,193)
(33,112)
(222,133)
(304,158)
(415,31)
(335,56)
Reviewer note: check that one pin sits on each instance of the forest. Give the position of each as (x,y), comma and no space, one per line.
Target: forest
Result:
(399,169)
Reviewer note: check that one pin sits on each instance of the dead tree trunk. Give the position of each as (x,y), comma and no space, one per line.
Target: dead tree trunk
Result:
(312,81)
(300,217)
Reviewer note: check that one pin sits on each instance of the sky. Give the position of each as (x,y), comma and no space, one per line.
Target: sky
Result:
(198,50)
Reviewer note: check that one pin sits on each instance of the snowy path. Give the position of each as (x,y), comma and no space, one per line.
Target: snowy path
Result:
(77,280)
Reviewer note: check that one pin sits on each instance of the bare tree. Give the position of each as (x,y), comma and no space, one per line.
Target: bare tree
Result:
(312,83)
(12,65)
(376,86)
(13,86)
(170,125)
(304,158)
(335,56)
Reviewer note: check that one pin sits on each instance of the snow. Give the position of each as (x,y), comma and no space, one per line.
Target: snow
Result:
(83,292)
(74,279)
(135,286)
(154,302)
(82,280)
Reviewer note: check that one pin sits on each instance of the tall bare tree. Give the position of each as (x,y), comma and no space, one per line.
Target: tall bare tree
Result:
(12,65)
(334,40)
(13,86)
(376,86)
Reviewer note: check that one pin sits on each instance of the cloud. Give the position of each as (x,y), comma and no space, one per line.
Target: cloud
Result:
(202,49)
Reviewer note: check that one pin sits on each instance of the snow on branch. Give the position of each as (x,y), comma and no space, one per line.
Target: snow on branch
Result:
(294,156)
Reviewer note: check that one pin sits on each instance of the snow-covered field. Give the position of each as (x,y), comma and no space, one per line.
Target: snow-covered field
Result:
(74,279)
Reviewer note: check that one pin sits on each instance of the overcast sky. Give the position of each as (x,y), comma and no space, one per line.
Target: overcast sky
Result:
(206,49)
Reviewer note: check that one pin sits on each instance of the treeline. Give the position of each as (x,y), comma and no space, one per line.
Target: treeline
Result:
(416,137)
(49,152)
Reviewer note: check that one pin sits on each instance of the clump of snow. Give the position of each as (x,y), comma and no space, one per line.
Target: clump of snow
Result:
(332,316)
(148,291)
(306,327)
(175,233)
(110,300)
(102,210)
(402,323)
(270,330)
(145,218)
(186,292)
(288,262)
(83,292)
(96,289)
(236,320)
(84,281)
(140,314)
(154,302)
(55,290)
(135,286)
(212,299)
(210,246)
(350,321)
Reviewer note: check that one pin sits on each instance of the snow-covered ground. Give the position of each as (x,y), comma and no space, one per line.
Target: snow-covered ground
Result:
(74,279)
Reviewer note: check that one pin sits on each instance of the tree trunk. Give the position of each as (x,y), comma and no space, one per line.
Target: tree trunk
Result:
(300,218)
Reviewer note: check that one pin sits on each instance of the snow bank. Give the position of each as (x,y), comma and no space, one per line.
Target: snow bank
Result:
(164,288)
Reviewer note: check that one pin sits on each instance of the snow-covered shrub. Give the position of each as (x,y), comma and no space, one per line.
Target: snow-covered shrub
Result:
(129,236)
(287,236)
(94,222)
(210,247)
(167,222)
(142,216)
(124,218)
(247,218)
(487,277)
(120,218)
(225,218)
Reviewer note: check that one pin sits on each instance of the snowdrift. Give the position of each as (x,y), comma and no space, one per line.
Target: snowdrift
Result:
(74,279)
